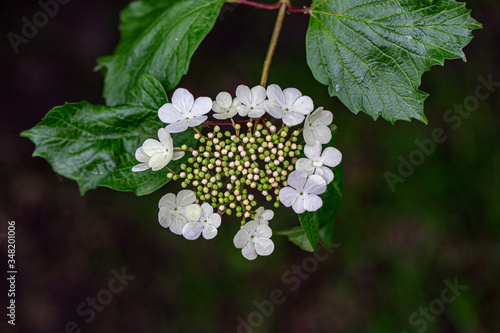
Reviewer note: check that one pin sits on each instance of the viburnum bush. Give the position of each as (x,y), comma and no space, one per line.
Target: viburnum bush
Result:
(248,153)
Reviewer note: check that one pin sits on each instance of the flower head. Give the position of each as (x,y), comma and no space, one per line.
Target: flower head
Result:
(176,211)
(318,163)
(263,216)
(316,127)
(288,104)
(156,154)
(224,106)
(302,192)
(252,101)
(206,225)
(254,239)
(184,111)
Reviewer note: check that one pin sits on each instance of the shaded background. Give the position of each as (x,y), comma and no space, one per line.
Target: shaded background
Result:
(396,248)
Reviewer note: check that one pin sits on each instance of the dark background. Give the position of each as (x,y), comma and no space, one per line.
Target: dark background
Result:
(396,248)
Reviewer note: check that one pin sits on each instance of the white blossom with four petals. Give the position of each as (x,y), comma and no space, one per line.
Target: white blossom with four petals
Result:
(318,163)
(252,101)
(224,106)
(184,111)
(176,211)
(156,154)
(288,105)
(254,239)
(206,225)
(263,216)
(316,127)
(302,192)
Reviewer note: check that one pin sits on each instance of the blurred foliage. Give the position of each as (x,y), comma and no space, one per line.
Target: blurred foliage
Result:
(395,248)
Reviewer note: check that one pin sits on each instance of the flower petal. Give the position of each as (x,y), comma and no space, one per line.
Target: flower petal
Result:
(214,220)
(268,215)
(185,197)
(322,134)
(141,156)
(298,205)
(159,161)
(168,113)
(315,185)
(297,179)
(305,164)
(178,223)
(243,110)
(183,100)
(293,118)
(312,203)
(177,155)
(326,173)
(168,200)
(165,217)
(331,156)
(152,147)
(196,121)
(165,138)
(251,227)
(193,230)
(263,230)
(202,105)
(241,238)
(288,196)
(313,152)
(178,126)
(275,111)
(244,95)
(206,210)
(258,95)
(276,96)
(192,212)
(141,167)
(323,117)
(291,95)
(249,251)
(209,232)
(264,246)
(224,100)
(256,112)
(304,105)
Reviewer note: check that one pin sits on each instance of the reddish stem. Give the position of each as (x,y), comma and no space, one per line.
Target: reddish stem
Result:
(260,5)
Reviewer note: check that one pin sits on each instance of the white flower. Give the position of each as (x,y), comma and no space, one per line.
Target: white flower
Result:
(156,154)
(253,239)
(263,216)
(288,105)
(252,101)
(224,106)
(184,111)
(176,212)
(318,163)
(316,127)
(207,224)
(302,192)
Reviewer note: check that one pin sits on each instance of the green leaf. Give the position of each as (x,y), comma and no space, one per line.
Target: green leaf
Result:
(149,93)
(297,236)
(95,144)
(158,37)
(373,53)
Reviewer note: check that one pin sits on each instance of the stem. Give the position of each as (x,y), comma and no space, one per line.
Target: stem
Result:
(257,5)
(173,172)
(273,43)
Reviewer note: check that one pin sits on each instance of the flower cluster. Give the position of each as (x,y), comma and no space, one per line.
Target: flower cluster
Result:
(236,161)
